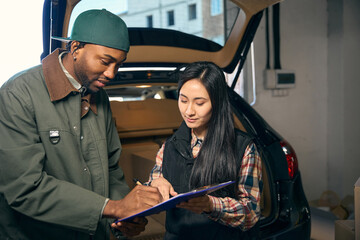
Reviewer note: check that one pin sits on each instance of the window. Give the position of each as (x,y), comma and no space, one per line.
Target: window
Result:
(216,7)
(171,19)
(188,15)
(219,39)
(149,21)
(32,12)
(192,11)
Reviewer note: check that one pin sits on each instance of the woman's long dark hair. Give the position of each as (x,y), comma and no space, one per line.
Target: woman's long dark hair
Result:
(216,160)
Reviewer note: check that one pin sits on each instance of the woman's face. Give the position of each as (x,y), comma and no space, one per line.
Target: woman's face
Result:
(195,106)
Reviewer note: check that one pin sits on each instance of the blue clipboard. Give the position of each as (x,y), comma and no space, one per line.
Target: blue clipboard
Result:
(172,202)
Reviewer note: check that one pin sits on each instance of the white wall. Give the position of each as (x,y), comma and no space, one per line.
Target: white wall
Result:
(348,52)
(320,117)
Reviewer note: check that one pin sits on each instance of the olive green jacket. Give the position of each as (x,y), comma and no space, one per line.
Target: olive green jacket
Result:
(46,187)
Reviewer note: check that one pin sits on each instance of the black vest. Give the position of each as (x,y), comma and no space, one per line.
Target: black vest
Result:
(177,166)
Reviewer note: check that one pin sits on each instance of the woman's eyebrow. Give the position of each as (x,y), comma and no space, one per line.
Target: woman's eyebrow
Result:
(196,98)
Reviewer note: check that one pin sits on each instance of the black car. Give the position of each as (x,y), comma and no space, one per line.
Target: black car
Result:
(144,100)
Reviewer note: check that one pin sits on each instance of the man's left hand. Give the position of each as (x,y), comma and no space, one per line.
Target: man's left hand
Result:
(130,229)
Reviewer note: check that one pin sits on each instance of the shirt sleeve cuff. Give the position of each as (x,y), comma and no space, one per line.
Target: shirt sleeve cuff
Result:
(102,210)
(217,208)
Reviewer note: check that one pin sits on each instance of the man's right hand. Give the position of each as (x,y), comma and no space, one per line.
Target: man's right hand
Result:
(138,200)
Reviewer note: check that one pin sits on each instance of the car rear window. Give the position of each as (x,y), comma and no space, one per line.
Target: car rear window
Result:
(198,18)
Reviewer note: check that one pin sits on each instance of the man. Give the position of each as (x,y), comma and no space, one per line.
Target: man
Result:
(59,148)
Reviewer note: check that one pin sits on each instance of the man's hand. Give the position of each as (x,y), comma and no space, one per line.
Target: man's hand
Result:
(138,200)
(198,205)
(165,188)
(130,229)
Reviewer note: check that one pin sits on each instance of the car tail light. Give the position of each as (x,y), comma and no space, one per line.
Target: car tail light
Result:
(291,158)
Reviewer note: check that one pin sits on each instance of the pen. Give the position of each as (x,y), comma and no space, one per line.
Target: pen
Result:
(137,181)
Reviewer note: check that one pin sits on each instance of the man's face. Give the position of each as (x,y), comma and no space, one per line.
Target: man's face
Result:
(96,65)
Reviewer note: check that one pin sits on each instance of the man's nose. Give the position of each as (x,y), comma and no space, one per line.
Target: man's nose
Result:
(110,72)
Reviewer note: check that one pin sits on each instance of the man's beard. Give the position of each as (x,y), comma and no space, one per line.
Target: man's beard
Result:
(84,80)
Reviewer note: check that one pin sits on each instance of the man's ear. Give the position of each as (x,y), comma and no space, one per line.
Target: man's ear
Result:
(75,45)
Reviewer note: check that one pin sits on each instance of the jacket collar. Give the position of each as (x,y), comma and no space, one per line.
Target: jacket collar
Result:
(57,82)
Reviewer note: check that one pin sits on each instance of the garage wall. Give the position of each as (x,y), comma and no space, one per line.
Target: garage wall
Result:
(319,117)
(350,75)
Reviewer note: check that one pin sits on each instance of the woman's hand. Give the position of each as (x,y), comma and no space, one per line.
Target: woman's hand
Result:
(198,205)
(165,188)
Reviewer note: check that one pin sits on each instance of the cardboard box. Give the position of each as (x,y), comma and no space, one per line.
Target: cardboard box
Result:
(340,212)
(357,208)
(345,230)
(329,202)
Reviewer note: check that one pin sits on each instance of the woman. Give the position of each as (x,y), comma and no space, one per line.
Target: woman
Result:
(206,149)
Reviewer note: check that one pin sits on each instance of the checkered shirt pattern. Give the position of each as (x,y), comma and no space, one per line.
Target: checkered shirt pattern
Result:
(242,213)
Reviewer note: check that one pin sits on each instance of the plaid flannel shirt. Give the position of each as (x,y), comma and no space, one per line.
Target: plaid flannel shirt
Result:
(242,213)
